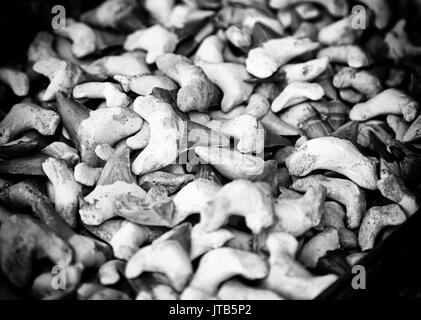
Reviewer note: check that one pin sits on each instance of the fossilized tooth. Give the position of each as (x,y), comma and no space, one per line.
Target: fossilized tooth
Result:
(117,194)
(191,198)
(169,97)
(43,290)
(248,17)
(392,101)
(277,127)
(343,191)
(117,14)
(334,216)
(375,220)
(155,40)
(256,207)
(230,78)
(341,32)
(414,131)
(211,272)
(365,82)
(94,291)
(348,131)
(399,126)
(263,62)
(82,36)
(125,237)
(66,189)
(398,43)
(335,113)
(26,116)
(29,142)
(166,255)
(144,84)
(318,246)
(88,251)
(409,162)
(272,140)
(203,242)
(325,80)
(180,234)
(303,72)
(156,208)
(110,272)
(194,134)
(351,96)
(337,8)
(287,276)
(336,155)
(306,30)
(88,129)
(290,208)
(230,163)
(110,93)
(305,118)
(296,93)
(333,262)
(15,79)
(382,12)
(41,47)
(393,188)
(171,182)
(63,76)
(352,55)
(179,135)
(262,33)
(193,33)
(30,165)
(211,50)
(62,151)
(23,243)
(247,131)
(308,11)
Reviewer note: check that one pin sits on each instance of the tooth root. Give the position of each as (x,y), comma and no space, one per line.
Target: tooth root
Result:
(205,171)
(72,114)
(232,164)
(27,144)
(375,220)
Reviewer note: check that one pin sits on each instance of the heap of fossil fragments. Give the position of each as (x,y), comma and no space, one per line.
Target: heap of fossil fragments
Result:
(207,149)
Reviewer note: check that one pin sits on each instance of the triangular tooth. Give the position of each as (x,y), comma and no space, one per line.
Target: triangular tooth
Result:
(181,234)
(26,144)
(117,167)
(72,114)
(27,166)
(200,135)
(262,34)
(348,131)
